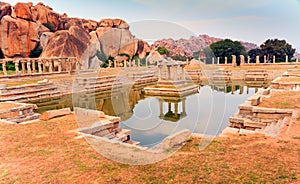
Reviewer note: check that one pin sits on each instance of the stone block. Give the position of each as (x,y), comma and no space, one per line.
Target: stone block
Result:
(264,110)
(175,139)
(55,113)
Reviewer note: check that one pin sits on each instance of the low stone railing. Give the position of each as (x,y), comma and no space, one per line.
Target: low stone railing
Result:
(44,65)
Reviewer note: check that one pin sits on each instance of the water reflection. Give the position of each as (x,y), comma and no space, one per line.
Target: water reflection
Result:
(151,119)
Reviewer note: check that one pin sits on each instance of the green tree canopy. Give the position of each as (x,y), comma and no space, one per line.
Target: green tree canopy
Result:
(278,48)
(227,48)
(163,51)
(255,52)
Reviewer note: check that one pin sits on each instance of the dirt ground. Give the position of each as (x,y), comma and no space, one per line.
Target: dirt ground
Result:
(46,152)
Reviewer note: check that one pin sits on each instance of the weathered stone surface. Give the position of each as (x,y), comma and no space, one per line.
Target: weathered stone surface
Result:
(18,36)
(175,140)
(90,25)
(72,43)
(44,39)
(54,113)
(153,57)
(106,23)
(45,14)
(116,41)
(5,9)
(22,10)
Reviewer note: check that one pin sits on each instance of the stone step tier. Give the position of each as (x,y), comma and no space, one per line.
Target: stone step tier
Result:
(254,118)
(222,75)
(256,75)
(103,126)
(29,92)
(12,112)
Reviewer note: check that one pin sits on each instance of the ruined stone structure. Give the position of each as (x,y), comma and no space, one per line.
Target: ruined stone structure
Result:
(41,65)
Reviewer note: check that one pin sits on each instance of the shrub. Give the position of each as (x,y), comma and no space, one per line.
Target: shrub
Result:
(36,52)
(50,26)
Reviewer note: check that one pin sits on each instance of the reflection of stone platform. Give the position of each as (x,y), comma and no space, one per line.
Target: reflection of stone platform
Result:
(11,112)
(174,115)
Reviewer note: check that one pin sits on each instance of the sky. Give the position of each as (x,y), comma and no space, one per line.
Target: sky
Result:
(253,21)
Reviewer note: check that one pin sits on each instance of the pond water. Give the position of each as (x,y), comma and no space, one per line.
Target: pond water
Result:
(151,119)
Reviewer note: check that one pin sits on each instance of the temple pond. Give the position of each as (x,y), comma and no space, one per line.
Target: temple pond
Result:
(151,119)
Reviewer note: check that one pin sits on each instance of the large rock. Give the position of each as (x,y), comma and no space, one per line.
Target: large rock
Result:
(18,36)
(45,15)
(67,43)
(5,9)
(22,10)
(89,25)
(114,23)
(117,41)
(44,39)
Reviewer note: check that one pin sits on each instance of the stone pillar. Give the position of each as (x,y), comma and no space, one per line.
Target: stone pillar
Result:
(17,66)
(40,67)
(50,66)
(248,59)
(257,60)
(226,60)
(176,109)
(139,62)
(23,67)
(161,110)
(115,64)
(218,60)
(125,64)
(4,68)
(233,60)
(146,63)
(33,66)
(274,59)
(182,73)
(169,107)
(44,67)
(183,107)
(169,72)
(242,57)
(213,60)
(297,59)
(77,66)
(59,65)
(28,66)
(286,59)
(160,72)
(265,59)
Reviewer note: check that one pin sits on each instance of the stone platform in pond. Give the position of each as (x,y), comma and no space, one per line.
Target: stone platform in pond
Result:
(171,88)
(12,112)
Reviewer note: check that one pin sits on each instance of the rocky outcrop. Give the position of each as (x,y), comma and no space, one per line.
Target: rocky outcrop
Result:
(5,9)
(22,10)
(18,36)
(25,27)
(67,43)
(187,47)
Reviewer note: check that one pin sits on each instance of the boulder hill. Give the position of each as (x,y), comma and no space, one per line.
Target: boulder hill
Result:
(25,27)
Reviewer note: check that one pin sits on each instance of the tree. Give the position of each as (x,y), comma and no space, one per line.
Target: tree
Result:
(278,48)
(255,52)
(227,48)
(163,51)
(36,52)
